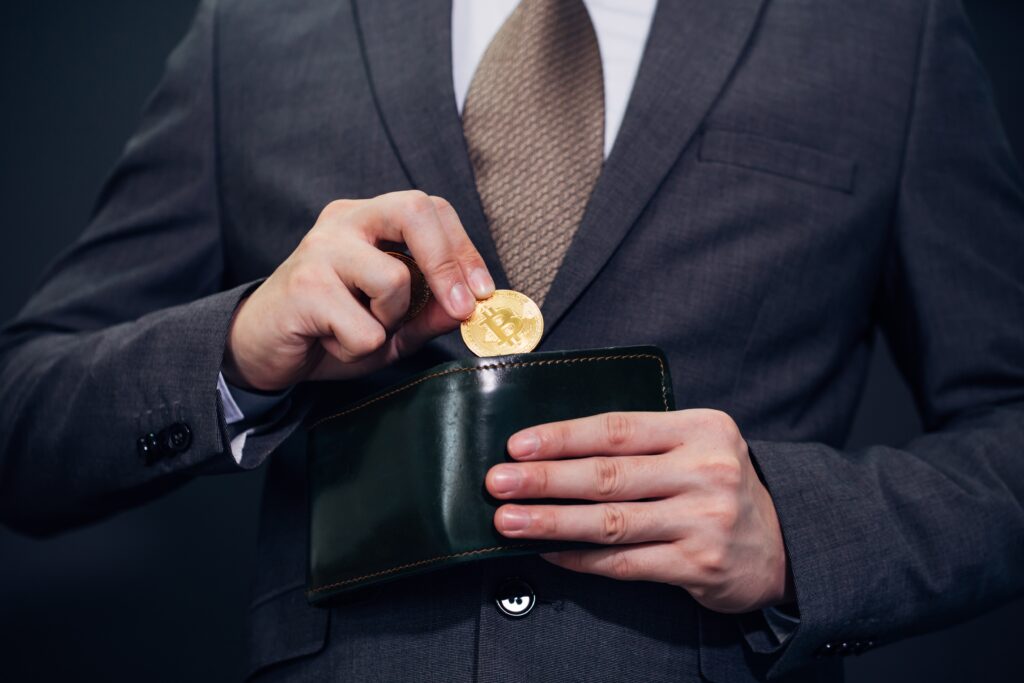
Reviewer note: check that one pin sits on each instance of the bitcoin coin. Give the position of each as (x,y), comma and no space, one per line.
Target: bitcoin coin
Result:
(419,291)
(505,322)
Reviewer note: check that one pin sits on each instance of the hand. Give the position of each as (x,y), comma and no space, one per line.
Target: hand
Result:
(678,501)
(334,308)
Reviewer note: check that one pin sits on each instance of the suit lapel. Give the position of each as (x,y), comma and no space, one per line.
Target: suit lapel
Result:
(407,48)
(691,51)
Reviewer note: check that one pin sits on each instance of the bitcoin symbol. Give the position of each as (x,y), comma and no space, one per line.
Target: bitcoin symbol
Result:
(503,324)
(506,323)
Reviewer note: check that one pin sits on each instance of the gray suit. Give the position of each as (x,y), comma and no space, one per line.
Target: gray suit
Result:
(790,174)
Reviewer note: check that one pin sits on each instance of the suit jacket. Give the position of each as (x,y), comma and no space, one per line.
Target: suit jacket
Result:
(789,176)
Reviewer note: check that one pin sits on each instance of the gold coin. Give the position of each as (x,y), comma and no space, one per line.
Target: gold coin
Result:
(419,291)
(505,322)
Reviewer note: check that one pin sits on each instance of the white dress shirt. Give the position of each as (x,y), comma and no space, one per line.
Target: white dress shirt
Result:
(621,27)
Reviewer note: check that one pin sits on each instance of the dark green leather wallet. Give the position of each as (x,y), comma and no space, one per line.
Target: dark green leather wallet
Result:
(397,479)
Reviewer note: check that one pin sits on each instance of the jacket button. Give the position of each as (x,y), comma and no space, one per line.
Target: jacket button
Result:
(149,448)
(177,438)
(515,598)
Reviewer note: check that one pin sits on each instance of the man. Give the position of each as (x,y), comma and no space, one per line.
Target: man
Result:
(770,182)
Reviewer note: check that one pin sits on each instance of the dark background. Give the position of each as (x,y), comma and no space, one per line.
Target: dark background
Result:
(159,593)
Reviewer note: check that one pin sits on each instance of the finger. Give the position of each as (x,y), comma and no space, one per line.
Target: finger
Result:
(643,562)
(385,280)
(348,331)
(620,433)
(409,337)
(473,266)
(411,218)
(616,478)
(606,523)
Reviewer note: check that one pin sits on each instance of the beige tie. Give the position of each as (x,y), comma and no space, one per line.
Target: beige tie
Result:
(534,124)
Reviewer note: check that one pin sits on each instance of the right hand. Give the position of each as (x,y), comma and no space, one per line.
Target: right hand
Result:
(334,308)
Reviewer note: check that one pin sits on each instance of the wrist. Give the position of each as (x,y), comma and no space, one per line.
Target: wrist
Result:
(779,590)
(234,364)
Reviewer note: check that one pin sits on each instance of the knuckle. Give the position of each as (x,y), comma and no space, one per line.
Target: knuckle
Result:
(724,471)
(441,204)
(366,341)
(306,279)
(618,428)
(537,479)
(336,208)
(724,513)
(417,202)
(467,253)
(316,240)
(553,438)
(548,523)
(609,477)
(622,566)
(396,277)
(446,269)
(723,426)
(614,525)
(712,561)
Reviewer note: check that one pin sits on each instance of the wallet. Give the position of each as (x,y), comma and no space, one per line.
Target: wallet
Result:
(397,478)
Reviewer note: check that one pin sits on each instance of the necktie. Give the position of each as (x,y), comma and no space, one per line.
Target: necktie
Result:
(534,126)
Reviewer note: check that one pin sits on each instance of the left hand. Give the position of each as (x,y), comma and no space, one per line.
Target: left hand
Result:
(677,501)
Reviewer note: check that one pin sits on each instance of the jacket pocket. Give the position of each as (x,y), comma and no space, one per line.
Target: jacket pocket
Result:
(786,159)
(282,625)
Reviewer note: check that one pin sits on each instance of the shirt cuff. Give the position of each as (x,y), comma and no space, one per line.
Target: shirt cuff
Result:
(782,625)
(244,406)
(768,630)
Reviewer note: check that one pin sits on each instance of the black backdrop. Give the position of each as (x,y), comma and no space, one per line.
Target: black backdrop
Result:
(159,593)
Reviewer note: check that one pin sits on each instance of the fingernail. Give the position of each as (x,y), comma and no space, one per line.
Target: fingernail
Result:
(462,301)
(481,283)
(505,479)
(514,519)
(523,444)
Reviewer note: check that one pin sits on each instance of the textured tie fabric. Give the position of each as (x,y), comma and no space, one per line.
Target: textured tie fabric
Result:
(534,125)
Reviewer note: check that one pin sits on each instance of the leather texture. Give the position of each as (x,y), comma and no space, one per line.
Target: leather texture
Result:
(397,479)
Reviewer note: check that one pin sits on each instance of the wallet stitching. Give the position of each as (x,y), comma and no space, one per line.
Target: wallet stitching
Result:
(492,366)
(418,563)
(497,366)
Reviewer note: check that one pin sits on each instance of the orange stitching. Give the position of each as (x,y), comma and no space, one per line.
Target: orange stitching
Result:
(418,563)
(496,366)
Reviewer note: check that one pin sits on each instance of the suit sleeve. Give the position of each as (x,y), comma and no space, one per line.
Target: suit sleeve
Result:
(125,336)
(887,542)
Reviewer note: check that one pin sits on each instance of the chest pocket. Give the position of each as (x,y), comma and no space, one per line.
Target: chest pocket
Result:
(786,159)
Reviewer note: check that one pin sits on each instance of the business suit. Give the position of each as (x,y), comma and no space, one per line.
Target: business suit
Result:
(788,176)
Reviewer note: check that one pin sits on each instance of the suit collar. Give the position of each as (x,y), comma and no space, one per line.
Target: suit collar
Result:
(691,51)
